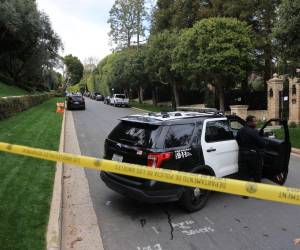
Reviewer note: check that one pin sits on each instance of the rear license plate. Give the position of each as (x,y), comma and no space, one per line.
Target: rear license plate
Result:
(76,102)
(118,158)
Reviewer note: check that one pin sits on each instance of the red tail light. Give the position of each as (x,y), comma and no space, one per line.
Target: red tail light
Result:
(155,160)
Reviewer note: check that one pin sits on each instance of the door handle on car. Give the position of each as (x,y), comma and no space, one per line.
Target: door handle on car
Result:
(211,150)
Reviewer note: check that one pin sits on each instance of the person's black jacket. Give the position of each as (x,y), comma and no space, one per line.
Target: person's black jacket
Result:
(249,139)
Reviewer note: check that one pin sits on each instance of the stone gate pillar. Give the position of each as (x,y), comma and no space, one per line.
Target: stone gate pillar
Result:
(294,100)
(275,85)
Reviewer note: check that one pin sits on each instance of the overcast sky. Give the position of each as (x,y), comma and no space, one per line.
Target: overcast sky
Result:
(81,24)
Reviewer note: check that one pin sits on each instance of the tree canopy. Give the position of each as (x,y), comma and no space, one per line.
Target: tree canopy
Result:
(127,22)
(74,69)
(28,45)
(216,51)
(287,34)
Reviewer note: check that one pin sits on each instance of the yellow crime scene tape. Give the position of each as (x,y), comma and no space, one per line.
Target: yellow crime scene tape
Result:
(231,186)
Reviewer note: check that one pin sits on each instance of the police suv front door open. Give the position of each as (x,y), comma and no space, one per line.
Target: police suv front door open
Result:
(277,151)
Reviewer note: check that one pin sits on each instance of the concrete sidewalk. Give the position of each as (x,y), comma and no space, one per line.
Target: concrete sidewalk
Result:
(79,223)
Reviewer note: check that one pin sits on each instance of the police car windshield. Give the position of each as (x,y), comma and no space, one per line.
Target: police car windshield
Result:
(135,134)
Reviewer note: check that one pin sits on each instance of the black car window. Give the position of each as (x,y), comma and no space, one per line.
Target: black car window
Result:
(120,96)
(179,135)
(218,131)
(134,134)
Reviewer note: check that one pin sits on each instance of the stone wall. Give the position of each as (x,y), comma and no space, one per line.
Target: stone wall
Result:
(242,111)
(294,100)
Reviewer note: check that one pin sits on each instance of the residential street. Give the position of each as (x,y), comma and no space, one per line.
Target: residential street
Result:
(227,221)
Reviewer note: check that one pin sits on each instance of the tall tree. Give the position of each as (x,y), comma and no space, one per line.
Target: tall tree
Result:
(287,34)
(74,69)
(216,51)
(28,45)
(127,22)
(162,16)
(159,61)
(260,14)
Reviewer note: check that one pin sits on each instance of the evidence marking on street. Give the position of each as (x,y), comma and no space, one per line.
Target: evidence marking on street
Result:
(150,247)
(155,230)
(231,186)
(186,228)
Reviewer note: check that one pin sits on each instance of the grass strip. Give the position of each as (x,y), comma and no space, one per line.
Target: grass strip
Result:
(150,107)
(26,183)
(294,136)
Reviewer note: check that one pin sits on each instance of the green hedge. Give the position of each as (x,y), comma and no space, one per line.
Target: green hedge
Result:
(15,104)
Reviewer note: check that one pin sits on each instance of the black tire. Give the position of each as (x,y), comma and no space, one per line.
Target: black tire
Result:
(193,203)
(194,199)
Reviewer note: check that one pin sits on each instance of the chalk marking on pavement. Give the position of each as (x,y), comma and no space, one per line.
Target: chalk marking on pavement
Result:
(198,231)
(155,230)
(150,247)
(209,221)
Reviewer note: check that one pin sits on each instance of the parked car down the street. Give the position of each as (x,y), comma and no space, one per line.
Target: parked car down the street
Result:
(119,100)
(75,101)
(99,98)
(107,100)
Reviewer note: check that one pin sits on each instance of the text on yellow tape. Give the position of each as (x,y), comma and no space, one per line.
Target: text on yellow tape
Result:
(231,186)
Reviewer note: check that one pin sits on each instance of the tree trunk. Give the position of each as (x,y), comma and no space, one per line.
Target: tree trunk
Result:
(176,95)
(154,97)
(268,63)
(141,94)
(221,98)
(268,48)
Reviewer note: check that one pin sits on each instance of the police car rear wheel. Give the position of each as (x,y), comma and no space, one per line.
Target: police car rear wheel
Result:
(194,199)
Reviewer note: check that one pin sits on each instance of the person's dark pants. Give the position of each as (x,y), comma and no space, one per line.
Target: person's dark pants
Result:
(250,165)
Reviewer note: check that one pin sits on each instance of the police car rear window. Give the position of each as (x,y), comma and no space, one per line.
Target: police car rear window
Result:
(135,134)
(179,135)
(77,97)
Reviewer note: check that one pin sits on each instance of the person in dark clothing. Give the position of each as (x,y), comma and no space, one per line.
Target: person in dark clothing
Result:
(251,146)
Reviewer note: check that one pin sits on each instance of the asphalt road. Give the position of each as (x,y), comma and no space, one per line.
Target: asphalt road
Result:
(227,221)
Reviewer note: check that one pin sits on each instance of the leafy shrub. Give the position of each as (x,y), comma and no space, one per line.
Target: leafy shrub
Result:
(15,104)
(293,125)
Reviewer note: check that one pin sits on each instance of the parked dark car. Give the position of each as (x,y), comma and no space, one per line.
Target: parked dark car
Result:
(107,100)
(202,143)
(99,98)
(75,101)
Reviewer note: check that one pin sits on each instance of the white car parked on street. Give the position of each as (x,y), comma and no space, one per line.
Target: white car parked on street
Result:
(119,100)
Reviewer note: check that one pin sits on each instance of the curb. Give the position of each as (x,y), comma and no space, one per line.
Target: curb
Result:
(296,151)
(55,217)
(144,110)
